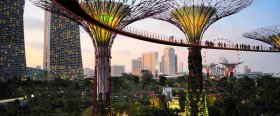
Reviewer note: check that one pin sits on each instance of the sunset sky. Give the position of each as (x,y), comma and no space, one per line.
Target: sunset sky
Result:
(261,13)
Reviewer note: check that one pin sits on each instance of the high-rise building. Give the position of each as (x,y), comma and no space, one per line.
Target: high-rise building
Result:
(12,50)
(88,72)
(35,73)
(161,65)
(246,70)
(223,60)
(62,50)
(170,61)
(214,70)
(136,66)
(38,66)
(150,62)
(181,67)
(176,64)
(117,70)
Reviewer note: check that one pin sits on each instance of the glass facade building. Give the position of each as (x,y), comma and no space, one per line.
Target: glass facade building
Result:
(62,49)
(12,50)
(35,74)
(150,62)
(169,62)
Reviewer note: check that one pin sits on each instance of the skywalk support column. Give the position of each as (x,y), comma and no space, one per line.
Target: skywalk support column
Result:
(195,82)
(103,83)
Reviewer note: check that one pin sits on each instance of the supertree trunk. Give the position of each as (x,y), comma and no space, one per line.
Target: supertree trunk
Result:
(195,83)
(102,82)
(231,75)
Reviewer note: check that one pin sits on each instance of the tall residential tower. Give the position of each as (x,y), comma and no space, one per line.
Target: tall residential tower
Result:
(12,50)
(62,50)
(170,61)
(117,70)
(150,62)
(136,66)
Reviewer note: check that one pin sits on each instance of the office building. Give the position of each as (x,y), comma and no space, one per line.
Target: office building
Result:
(117,70)
(150,62)
(161,65)
(246,70)
(176,64)
(137,66)
(12,50)
(88,72)
(35,74)
(170,61)
(38,66)
(62,50)
(181,68)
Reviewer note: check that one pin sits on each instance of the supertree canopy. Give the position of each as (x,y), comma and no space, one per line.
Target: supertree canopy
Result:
(113,13)
(193,20)
(269,35)
(208,68)
(231,67)
(193,17)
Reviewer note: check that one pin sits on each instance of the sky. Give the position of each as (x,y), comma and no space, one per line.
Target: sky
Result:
(261,13)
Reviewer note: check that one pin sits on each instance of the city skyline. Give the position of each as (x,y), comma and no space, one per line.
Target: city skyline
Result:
(123,53)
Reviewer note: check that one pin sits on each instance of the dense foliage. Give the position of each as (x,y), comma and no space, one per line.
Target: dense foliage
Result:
(132,95)
(247,97)
(66,98)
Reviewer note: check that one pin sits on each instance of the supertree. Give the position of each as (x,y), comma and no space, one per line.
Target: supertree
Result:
(269,35)
(113,13)
(208,68)
(193,17)
(231,67)
(226,70)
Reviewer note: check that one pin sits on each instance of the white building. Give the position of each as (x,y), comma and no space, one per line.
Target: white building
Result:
(38,66)
(171,92)
(88,72)
(181,67)
(117,70)
(161,65)
(246,70)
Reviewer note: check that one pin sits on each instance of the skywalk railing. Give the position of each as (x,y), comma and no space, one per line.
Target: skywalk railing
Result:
(171,40)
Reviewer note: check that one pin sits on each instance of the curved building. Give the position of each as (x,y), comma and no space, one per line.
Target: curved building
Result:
(12,50)
(62,48)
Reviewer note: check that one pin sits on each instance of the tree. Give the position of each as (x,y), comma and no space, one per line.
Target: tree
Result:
(87,112)
(146,77)
(162,80)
